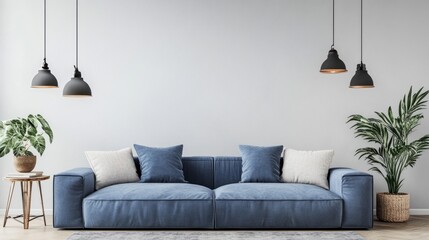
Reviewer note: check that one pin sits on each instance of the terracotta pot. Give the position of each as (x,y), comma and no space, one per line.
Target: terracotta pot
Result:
(25,163)
(393,207)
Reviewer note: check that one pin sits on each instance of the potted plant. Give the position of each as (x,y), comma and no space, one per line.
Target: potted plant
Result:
(393,151)
(21,135)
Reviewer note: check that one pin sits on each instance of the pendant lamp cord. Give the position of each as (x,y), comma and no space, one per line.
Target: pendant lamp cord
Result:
(333,24)
(45,65)
(361,32)
(77,73)
(44,30)
(77,34)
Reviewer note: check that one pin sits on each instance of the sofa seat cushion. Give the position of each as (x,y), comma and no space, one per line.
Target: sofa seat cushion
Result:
(277,205)
(149,205)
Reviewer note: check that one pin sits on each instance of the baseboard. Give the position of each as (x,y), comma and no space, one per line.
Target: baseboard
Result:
(415,211)
(419,211)
(18,211)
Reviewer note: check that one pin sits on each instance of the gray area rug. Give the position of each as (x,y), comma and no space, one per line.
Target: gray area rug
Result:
(214,235)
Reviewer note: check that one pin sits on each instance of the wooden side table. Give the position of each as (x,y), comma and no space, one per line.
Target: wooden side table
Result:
(26,187)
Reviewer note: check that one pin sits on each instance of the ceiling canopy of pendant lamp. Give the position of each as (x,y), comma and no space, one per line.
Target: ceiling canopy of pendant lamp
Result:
(361,79)
(333,64)
(77,87)
(44,78)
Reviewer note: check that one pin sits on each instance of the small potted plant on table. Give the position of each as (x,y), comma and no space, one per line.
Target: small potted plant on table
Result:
(20,135)
(393,151)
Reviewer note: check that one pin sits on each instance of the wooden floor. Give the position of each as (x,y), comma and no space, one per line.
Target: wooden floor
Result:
(416,228)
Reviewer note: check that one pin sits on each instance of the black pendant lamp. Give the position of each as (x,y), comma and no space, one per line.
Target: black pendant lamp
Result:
(361,79)
(44,79)
(333,64)
(77,87)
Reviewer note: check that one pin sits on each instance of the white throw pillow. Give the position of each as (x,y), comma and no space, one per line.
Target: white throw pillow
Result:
(112,167)
(307,166)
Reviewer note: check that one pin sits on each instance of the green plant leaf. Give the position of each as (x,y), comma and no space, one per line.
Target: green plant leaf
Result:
(45,127)
(19,151)
(4,147)
(10,132)
(2,129)
(33,120)
(38,143)
(31,128)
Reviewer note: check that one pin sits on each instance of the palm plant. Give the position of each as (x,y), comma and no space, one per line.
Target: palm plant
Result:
(394,151)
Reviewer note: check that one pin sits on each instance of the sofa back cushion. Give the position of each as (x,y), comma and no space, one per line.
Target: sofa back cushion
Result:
(211,172)
(197,170)
(228,170)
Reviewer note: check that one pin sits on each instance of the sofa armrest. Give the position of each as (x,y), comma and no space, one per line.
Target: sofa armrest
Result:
(70,188)
(356,190)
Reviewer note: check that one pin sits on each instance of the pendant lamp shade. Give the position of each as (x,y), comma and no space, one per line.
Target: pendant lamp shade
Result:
(361,79)
(333,64)
(44,78)
(77,87)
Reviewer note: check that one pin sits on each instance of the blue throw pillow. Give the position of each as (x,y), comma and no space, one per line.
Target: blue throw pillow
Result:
(260,164)
(161,165)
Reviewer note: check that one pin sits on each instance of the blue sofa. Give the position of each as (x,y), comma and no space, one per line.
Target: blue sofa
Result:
(213,199)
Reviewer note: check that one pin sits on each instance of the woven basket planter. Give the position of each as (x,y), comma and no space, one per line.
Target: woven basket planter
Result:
(393,207)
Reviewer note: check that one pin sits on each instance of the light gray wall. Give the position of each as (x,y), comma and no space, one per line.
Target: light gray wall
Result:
(211,75)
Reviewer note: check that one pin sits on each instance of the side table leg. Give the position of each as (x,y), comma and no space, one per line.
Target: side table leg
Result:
(41,200)
(29,188)
(23,192)
(26,201)
(9,199)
